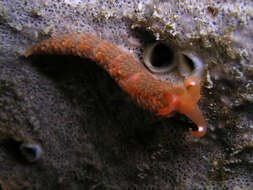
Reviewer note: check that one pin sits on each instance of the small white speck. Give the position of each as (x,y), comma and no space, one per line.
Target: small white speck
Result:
(140,6)
(201,128)
(193,83)
(210,82)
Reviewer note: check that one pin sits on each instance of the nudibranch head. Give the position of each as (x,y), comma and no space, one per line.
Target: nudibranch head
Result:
(183,96)
(187,104)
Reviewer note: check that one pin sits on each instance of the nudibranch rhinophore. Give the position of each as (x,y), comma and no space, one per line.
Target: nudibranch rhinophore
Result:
(160,97)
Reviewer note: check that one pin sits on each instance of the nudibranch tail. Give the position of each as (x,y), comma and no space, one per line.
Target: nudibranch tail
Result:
(158,96)
(196,116)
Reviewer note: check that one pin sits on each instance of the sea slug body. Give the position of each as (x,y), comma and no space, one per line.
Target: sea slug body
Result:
(158,96)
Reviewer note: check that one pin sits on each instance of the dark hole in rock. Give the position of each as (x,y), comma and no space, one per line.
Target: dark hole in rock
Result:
(30,152)
(189,62)
(213,11)
(162,56)
(11,147)
(145,36)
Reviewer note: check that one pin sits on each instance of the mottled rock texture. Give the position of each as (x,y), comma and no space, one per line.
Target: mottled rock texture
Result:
(85,133)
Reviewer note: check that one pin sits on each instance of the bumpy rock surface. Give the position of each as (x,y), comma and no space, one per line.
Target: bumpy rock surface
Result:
(64,124)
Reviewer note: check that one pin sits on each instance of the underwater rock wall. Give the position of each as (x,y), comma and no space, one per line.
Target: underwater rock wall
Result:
(65,124)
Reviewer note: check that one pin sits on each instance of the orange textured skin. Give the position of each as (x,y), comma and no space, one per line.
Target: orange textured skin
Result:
(157,96)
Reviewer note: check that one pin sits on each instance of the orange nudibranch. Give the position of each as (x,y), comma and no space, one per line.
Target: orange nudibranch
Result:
(158,96)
